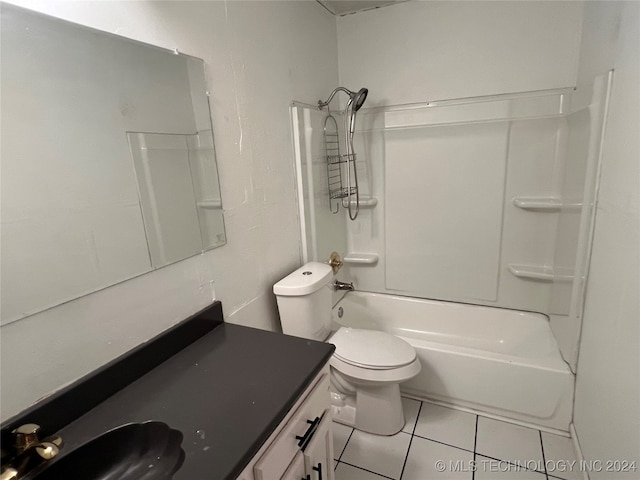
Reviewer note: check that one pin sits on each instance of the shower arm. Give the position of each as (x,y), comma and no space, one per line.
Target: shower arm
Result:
(322,104)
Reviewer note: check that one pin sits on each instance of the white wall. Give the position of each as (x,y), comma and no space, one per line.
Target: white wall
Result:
(607,398)
(259,56)
(418,51)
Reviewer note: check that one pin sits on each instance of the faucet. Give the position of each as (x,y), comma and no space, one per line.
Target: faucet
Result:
(338,285)
(28,451)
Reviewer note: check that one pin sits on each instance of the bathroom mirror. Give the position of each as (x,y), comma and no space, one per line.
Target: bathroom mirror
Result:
(108,161)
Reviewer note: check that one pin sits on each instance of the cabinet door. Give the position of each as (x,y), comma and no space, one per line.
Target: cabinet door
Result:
(296,469)
(318,455)
(275,460)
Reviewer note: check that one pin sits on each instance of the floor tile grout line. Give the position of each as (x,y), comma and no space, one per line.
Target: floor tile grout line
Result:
(415,424)
(343,449)
(475,444)
(443,443)
(544,461)
(510,463)
(413,432)
(346,443)
(366,470)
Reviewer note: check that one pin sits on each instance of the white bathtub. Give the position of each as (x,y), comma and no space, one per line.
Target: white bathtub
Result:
(501,362)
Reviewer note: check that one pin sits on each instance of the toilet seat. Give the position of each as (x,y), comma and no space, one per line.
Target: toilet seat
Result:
(373,356)
(371,349)
(358,375)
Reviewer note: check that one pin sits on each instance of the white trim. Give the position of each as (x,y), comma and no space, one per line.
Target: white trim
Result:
(553,431)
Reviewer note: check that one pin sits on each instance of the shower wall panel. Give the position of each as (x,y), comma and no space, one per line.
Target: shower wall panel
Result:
(444,189)
(584,126)
(466,199)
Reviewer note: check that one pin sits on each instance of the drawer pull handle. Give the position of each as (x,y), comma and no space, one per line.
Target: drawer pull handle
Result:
(319,470)
(304,439)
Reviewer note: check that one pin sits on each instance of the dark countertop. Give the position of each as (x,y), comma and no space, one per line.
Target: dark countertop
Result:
(226,392)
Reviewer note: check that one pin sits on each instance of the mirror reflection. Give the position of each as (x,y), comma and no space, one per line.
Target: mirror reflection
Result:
(108,161)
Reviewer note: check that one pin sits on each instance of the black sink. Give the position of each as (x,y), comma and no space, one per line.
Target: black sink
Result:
(140,451)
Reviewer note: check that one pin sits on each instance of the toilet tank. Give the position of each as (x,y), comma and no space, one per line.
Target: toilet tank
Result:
(304,301)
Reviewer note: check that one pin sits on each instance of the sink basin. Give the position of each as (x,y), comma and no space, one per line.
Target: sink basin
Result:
(141,451)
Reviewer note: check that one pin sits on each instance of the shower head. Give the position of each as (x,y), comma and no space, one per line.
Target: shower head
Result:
(358,98)
(355,98)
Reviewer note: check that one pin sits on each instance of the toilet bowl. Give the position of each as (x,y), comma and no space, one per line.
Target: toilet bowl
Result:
(367,369)
(367,366)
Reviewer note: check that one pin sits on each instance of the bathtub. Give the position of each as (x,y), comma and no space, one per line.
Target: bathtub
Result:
(503,363)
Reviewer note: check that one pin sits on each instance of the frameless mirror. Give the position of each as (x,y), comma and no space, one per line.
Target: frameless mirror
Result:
(108,161)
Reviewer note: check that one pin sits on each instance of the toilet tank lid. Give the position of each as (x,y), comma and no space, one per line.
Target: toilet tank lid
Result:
(307,279)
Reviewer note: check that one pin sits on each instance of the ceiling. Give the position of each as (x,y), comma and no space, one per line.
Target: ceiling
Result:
(345,7)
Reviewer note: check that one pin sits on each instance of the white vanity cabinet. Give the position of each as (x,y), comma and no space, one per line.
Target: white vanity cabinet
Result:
(296,470)
(318,456)
(301,447)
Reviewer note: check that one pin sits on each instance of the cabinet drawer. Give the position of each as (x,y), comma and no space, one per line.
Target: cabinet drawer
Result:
(277,457)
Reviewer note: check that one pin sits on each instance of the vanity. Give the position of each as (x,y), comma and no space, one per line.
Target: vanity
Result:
(224,401)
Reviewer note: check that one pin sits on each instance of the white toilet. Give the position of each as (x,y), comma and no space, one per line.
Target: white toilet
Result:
(367,366)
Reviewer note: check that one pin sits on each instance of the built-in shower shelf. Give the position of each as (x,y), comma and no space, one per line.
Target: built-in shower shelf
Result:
(544,204)
(361,258)
(366,202)
(210,204)
(538,203)
(540,272)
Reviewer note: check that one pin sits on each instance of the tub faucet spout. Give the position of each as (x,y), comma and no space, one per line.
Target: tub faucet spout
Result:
(338,285)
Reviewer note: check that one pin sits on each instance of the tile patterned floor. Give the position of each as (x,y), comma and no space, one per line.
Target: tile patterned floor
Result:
(441,443)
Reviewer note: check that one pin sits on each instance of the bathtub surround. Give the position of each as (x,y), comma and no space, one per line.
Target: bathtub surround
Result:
(519,237)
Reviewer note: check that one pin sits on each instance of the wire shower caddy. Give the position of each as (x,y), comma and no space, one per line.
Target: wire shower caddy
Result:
(338,163)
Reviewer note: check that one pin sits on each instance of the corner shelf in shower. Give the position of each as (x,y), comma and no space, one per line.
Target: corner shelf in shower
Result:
(361,258)
(210,204)
(539,272)
(544,204)
(367,202)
